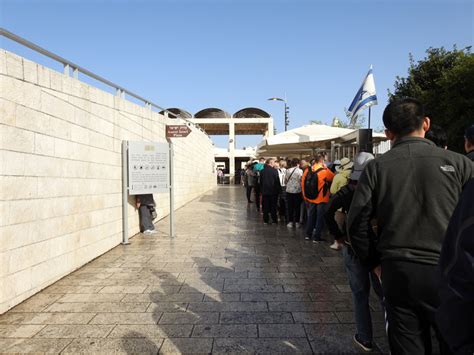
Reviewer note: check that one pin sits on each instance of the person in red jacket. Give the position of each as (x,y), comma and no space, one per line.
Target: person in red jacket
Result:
(315,186)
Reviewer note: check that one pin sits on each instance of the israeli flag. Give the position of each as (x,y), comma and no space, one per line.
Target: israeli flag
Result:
(365,97)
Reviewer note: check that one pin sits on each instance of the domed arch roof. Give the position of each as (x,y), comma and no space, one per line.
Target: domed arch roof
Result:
(251,112)
(212,112)
(177,112)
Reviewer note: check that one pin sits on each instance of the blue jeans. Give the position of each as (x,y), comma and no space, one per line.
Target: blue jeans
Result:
(360,278)
(315,220)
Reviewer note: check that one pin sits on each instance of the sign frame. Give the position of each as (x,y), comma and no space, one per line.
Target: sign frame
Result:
(148,167)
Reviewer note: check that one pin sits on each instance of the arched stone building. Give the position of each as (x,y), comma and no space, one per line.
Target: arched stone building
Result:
(215,121)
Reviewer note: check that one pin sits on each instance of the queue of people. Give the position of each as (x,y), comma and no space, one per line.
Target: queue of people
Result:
(389,215)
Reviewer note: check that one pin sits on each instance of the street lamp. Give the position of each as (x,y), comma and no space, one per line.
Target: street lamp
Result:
(287,110)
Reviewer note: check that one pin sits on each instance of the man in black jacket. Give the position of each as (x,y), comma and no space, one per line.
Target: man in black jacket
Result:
(270,187)
(455,315)
(412,191)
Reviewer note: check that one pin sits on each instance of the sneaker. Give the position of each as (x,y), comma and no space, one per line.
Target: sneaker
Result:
(366,345)
(316,241)
(307,238)
(335,246)
(265,223)
(290,225)
(297,225)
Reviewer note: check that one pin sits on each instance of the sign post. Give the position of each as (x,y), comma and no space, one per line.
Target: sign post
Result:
(174,131)
(125,193)
(172,235)
(144,171)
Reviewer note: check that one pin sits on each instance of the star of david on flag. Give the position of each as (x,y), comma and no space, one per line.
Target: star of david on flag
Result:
(365,97)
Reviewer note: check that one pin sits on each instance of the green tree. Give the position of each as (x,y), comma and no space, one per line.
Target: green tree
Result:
(444,82)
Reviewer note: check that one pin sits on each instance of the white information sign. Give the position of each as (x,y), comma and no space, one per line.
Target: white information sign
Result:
(148,168)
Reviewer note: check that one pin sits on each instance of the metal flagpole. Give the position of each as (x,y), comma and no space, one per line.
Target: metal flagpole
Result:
(369,116)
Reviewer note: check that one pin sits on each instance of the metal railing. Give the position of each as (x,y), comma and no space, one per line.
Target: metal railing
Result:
(76,69)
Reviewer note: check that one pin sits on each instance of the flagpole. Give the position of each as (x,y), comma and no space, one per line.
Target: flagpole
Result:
(369,116)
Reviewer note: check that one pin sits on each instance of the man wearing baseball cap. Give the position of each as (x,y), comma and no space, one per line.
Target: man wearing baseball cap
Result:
(360,275)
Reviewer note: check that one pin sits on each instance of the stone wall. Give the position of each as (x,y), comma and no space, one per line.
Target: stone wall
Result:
(60,173)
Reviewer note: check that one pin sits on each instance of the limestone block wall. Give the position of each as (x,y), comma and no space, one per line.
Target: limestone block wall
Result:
(60,173)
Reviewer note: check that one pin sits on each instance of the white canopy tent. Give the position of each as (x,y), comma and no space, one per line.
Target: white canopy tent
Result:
(308,139)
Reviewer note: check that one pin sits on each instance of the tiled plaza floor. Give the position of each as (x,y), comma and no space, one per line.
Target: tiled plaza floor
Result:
(227,283)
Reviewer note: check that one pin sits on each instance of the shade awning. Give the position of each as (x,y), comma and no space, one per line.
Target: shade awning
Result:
(308,138)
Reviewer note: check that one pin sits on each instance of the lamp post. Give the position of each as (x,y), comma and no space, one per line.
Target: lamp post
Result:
(287,110)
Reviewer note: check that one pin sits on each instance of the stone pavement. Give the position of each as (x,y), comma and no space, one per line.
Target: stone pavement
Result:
(227,283)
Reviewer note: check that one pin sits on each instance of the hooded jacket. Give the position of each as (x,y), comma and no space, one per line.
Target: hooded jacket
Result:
(411,191)
(341,179)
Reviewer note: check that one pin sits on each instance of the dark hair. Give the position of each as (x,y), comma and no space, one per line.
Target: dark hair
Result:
(295,162)
(437,135)
(404,116)
(469,134)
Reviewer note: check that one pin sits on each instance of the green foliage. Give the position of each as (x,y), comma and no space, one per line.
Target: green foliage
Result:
(356,122)
(444,82)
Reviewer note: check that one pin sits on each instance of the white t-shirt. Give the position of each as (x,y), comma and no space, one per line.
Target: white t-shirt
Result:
(293,178)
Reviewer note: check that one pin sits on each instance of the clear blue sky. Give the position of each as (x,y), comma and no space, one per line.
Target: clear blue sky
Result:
(236,54)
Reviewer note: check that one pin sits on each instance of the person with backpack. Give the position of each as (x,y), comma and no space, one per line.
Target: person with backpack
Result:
(315,185)
(360,275)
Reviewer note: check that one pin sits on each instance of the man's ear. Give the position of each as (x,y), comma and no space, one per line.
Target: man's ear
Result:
(426,124)
(389,135)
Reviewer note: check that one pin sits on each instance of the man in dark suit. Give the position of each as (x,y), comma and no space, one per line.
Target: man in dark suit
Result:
(270,187)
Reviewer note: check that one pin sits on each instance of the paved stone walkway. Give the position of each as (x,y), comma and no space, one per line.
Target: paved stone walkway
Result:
(228,283)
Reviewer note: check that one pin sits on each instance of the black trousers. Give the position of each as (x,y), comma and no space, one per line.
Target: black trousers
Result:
(282,210)
(249,193)
(411,300)
(294,207)
(269,203)
(257,196)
